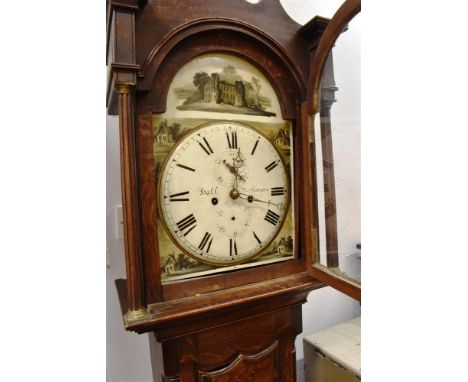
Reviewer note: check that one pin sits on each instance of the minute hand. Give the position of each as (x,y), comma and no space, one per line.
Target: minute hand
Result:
(252,198)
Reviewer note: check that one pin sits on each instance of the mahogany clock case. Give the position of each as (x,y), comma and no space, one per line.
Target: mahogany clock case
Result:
(224,326)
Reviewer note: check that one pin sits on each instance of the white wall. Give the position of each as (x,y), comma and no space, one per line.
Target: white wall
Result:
(128,353)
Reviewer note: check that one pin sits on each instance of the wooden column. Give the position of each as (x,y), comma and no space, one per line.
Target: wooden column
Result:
(135,287)
(327,99)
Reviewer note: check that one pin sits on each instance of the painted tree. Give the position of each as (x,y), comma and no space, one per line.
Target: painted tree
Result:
(256,87)
(176,129)
(199,80)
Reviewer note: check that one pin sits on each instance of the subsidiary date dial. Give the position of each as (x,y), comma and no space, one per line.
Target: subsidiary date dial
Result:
(223,193)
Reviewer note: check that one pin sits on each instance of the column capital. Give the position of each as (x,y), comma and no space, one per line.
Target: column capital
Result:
(124,88)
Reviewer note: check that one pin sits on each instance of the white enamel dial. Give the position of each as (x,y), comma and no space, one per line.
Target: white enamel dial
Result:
(223,193)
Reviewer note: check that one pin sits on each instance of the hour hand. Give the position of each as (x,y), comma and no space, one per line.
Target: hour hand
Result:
(233,169)
(240,176)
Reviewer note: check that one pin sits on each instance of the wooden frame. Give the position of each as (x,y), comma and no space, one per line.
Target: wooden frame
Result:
(257,51)
(340,20)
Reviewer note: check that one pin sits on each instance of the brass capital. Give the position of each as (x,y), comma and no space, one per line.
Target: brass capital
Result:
(124,88)
(135,315)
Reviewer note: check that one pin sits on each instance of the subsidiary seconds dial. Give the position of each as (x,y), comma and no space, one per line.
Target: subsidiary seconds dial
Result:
(223,193)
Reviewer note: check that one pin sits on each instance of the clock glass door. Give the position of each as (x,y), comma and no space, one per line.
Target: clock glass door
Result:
(336,142)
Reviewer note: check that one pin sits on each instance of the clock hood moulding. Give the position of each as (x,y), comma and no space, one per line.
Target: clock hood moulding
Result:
(161,19)
(157,27)
(224,37)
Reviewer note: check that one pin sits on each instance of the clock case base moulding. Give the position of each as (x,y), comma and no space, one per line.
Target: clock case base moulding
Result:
(215,333)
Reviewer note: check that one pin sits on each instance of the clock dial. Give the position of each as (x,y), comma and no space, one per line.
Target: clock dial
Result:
(223,193)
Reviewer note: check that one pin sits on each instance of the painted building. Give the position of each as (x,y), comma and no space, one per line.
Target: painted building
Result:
(218,91)
(164,134)
(281,139)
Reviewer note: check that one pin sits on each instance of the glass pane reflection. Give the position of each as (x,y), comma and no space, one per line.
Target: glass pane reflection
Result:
(337,149)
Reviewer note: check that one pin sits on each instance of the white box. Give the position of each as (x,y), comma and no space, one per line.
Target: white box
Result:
(334,354)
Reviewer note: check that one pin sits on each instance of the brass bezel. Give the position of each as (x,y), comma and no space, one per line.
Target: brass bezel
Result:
(161,214)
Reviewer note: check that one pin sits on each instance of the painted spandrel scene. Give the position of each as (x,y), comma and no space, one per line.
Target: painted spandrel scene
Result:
(224,91)
(221,84)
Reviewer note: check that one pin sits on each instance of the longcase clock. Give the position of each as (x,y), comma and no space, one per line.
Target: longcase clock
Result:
(218,181)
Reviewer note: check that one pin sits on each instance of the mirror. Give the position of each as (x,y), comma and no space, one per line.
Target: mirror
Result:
(337,141)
